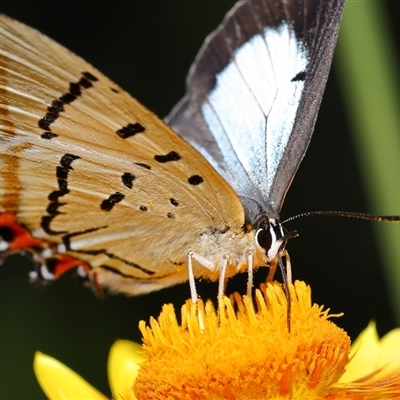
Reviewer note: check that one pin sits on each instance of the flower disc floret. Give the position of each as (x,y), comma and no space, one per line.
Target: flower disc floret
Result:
(243,350)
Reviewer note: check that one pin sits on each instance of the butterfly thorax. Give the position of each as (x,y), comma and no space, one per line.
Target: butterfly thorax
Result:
(259,244)
(234,245)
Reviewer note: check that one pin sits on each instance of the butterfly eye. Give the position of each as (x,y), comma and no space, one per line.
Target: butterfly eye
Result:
(264,238)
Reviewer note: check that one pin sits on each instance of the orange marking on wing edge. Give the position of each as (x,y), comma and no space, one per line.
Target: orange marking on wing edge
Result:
(22,237)
(65,263)
(24,240)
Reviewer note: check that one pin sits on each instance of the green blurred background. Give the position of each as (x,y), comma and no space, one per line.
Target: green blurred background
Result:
(147,48)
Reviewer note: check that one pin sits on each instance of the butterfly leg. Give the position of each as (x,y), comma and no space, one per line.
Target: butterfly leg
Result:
(210,266)
(249,273)
(222,278)
(288,267)
(274,263)
(192,283)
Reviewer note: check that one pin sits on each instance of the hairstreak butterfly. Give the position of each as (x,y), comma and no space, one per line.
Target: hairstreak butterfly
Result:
(89,178)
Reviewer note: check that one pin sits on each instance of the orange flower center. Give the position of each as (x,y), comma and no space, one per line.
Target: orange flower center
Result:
(243,351)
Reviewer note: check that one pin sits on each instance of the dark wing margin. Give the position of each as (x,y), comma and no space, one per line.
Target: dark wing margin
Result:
(321,40)
(315,23)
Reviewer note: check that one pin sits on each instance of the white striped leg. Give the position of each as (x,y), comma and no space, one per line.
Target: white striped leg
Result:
(203,262)
(288,267)
(222,278)
(211,267)
(249,273)
(192,283)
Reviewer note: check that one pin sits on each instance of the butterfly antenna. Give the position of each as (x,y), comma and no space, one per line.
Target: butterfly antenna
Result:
(346,214)
(287,292)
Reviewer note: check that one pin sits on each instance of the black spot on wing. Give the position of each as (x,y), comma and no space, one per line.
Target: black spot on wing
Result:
(130,130)
(143,208)
(114,90)
(143,165)
(67,159)
(174,202)
(171,215)
(127,179)
(67,98)
(6,234)
(62,171)
(51,264)
(176,262)
(85,83)
(113,199)
(57,106)
(75,89)
(52,208)
(48,135)
(195,180)
(47,120)
(90,76)
(171,156)
(53,196)
(45,224)
(299,77)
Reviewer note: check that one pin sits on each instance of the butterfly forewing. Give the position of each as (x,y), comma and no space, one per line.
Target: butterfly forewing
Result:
(254,91)
(85,165)
(94,174)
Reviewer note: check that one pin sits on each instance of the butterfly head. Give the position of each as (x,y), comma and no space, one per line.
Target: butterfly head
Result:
(272,236)
(269,237)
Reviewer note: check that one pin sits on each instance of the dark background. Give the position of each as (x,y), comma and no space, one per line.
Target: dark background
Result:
(147,48)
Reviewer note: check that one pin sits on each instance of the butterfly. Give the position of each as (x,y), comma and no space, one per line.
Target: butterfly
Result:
(89,178)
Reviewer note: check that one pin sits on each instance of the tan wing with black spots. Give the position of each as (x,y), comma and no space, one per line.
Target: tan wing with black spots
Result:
(84,164)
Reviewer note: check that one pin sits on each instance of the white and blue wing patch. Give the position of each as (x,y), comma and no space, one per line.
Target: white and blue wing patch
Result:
(253,106)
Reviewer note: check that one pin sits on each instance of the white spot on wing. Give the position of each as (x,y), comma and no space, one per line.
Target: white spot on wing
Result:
(251,110)
(45,273)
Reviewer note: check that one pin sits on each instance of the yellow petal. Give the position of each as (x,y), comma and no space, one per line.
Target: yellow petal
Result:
(389,357)
(60,382)
(363,355)
(123,367)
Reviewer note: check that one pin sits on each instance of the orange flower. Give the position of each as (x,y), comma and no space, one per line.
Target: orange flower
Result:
(245,351)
